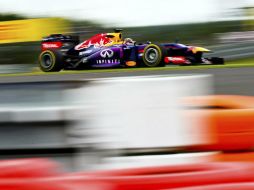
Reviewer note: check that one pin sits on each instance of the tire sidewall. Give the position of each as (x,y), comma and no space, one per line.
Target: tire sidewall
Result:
(159,59)
(53,58)
(56,61)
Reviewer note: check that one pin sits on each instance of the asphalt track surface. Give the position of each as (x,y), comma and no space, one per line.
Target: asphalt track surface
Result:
(239,81)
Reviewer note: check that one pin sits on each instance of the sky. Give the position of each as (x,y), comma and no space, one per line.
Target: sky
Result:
(127,12)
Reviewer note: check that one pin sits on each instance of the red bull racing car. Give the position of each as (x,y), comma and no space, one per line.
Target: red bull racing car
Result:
(111,50)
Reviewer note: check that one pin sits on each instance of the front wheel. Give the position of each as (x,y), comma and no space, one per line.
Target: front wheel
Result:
(153,55)
(217,61)
(51,61)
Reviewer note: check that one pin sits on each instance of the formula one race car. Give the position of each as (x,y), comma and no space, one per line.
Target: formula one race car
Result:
(109,50)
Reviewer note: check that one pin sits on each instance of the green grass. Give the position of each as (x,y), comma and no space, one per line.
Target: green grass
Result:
(241,61)
(229,64)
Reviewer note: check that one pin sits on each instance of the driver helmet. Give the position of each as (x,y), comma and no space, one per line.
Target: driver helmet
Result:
(129,41)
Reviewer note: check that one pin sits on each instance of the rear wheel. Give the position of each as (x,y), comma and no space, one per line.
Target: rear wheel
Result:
(153,55)
(51,61)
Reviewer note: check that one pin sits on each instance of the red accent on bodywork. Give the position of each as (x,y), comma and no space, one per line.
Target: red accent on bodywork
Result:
(51,45)
(178,60)
(141,51)
(97,40)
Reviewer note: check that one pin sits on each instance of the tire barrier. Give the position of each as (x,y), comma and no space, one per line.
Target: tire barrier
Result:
(29,174)
(50,184)
(28,168)
(233,157)
(195,176)
(233,186)
(154,178)
(32,184)
(39,174)
(66,114)
(229,121)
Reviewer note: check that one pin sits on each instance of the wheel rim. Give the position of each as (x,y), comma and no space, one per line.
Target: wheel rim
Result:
(46,60)
(152,55)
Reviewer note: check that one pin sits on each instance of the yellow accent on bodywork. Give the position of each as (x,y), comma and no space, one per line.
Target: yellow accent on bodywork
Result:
(114,43)
(116,38)
(200,49)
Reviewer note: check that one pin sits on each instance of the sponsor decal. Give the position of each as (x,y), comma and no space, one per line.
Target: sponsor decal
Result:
(107,53)
(107,61)
(175,60)
(51,45)
(85,52)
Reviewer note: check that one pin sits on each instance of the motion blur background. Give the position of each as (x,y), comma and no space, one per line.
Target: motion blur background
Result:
(91,121)
(224,26)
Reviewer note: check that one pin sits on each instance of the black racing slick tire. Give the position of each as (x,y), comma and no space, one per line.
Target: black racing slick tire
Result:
(51,61)
(153,56)
(217,61)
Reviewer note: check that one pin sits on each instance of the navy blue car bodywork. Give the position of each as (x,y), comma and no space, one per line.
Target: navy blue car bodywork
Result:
(61,52)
